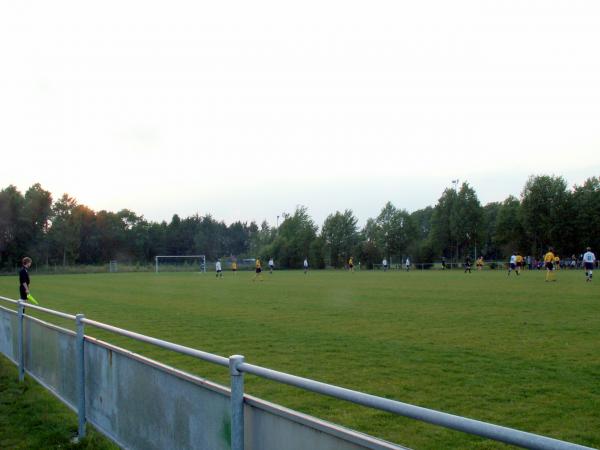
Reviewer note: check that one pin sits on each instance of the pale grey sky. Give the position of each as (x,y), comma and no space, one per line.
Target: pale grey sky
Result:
(246,109)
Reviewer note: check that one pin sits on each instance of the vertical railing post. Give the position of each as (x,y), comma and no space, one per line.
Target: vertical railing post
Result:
(237,403)
(20,342)
(80,375)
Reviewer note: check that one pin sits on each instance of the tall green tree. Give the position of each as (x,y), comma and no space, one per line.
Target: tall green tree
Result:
(466,220)
(37,208)
(64,233)
(509,226)
(12,242)
(395,230)
(422,222)
(112,233)
(90,244)
(294,239)
(421,247)
(585,219)
(490,247)
(544,200)
(157,239)
(456,223)
(238,238)
(371,231)
(340,235)
(442,238)
(369,251)
(141,242)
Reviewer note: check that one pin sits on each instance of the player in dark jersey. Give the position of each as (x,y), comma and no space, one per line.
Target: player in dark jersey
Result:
(24,280)
(467,264)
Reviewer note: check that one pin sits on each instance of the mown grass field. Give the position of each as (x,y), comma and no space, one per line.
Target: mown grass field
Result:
(515,351)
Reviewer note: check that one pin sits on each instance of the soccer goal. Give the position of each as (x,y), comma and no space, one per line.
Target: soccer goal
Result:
(180,263)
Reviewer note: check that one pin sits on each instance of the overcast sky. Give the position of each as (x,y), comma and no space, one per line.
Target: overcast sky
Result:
(246,109)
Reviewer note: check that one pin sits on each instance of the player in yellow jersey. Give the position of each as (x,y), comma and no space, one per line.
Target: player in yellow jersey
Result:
(234,267)
(258,270)
(519,263)
(479,263)
(549,263)
(556,262)
(351,264)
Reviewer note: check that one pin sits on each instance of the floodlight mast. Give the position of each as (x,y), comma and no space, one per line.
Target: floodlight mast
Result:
(200,257)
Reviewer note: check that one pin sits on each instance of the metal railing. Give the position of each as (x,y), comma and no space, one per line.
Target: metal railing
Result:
(237,367)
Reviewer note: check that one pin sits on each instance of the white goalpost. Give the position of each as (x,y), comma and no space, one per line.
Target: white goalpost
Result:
(201,260)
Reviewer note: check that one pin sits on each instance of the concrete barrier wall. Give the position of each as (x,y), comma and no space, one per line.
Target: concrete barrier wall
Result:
(143,404)
(8,333)
(50,358)
(272,427)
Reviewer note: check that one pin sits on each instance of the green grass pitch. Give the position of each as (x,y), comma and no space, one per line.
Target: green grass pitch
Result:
(515,351)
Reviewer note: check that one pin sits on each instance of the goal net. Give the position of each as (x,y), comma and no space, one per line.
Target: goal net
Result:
(180,263)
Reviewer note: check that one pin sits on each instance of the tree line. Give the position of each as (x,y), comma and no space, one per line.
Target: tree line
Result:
(548,213)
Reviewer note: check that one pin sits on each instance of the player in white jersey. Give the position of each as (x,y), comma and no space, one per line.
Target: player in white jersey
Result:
(512,265)
(218,269)
(589,259)
(271,265)
(305,264)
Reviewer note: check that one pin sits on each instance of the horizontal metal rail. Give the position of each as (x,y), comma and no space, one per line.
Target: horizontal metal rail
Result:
(470,426)
(40,308)
(220,360)
(49,311)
